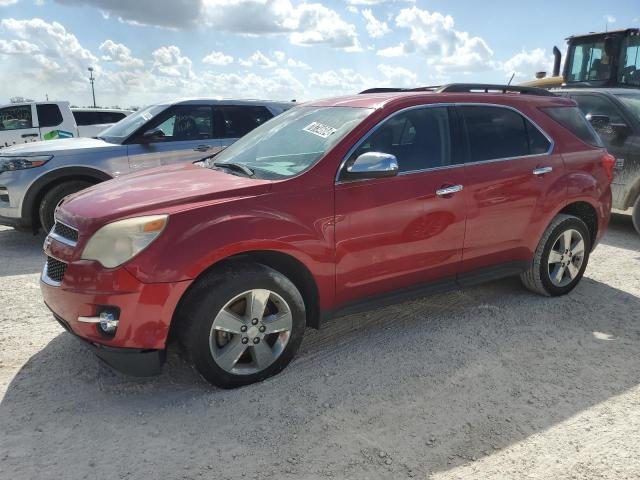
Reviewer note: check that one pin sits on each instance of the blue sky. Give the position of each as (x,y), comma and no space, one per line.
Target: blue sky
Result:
(147,51)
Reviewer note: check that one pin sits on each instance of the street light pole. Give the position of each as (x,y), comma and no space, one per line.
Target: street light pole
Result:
(91,79)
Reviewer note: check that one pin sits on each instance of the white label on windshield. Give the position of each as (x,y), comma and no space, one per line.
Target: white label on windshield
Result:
(147,116)
(319,129)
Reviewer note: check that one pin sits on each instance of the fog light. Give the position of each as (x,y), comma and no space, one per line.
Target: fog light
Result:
(108,323)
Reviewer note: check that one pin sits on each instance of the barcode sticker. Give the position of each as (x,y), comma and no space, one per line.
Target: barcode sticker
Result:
(319,129)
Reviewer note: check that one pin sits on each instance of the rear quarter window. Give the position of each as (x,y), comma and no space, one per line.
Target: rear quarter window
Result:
(573,120)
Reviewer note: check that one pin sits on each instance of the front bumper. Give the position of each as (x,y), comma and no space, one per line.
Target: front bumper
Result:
(145,313)
(131,361)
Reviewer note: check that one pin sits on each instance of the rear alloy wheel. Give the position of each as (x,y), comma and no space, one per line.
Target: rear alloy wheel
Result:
(241,324)
(561,257)
(565,258)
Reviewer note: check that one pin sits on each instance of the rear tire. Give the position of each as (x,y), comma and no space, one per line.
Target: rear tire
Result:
(241,324)
(561,257)
(53,197)
(635,214)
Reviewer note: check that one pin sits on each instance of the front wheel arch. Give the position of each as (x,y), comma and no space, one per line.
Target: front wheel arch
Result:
(37,190)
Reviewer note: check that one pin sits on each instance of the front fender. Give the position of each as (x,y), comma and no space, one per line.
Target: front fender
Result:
(197,238)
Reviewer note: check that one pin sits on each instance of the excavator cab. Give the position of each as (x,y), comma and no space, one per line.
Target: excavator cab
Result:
(604,59)
(609,59)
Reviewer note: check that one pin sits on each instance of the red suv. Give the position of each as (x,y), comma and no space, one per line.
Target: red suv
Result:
(333,207)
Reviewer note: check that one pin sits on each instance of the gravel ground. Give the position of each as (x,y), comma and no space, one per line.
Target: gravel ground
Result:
(489,382)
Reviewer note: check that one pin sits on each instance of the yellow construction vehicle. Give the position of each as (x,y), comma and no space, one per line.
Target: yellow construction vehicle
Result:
(602,59)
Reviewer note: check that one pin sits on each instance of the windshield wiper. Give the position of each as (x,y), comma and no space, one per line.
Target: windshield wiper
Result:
(239,167)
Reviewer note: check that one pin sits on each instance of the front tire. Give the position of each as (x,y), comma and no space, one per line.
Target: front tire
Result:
(561,257)
(53,197)
(242,324)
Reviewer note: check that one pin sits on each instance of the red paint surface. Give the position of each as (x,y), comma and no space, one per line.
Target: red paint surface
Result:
(356,239)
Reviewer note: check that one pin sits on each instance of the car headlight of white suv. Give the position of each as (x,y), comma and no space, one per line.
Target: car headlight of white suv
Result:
(8,164)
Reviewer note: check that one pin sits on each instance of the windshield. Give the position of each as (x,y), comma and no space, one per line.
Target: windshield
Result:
(632,102)
(292,142)
(630,60)
(119,131)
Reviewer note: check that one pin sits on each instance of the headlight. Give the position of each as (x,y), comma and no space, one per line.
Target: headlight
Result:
(20,163)
(117,242)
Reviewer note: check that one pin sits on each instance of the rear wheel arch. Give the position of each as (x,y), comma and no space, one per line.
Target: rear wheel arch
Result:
(37,190)
(585,212)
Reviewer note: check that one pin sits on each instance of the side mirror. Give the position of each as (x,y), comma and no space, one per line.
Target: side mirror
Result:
(598,121)
(372,165)
(153,135)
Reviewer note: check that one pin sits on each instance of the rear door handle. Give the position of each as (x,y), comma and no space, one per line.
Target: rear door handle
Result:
(542,170)
(202,148)
(443,192)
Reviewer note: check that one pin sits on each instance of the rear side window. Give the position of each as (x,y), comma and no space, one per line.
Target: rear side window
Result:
(240,119)
(573,120)
(85,118)
(496,133)
(49,115)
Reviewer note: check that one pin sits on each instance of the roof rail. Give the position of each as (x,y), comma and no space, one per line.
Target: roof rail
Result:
(491,88)
(468,88)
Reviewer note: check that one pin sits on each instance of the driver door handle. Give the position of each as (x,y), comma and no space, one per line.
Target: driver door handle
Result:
(542,171)
(202,148)
(443,192)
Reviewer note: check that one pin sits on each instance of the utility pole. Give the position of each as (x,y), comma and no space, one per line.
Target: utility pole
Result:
(91,79)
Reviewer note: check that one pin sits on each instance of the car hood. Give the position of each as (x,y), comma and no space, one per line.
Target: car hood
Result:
(156,190)
(66,145)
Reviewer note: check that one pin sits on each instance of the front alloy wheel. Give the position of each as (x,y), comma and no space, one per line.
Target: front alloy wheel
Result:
(241,323)
(250,332)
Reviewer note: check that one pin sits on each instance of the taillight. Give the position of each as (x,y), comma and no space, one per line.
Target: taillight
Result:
(609,162)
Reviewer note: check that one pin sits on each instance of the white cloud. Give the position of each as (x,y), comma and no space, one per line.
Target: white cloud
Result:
(119,54)
(6,3)
(170,62)
(397,76)
(258,59)
(433,36)
(397,51)
(341,81)
(352,9)
(304,23)
(526,63)
(376,2)
(17,47)
(171,14)
(375,27)
(297,64)
(217,58)
(46,56)
(609,18)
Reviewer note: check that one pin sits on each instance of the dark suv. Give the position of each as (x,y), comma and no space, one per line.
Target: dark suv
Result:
(333,207)
(615,114)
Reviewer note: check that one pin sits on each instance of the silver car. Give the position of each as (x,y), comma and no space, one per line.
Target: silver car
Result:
(34,177)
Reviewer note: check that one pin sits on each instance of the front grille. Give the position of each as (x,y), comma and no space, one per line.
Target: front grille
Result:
(65,231)
(55,269)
